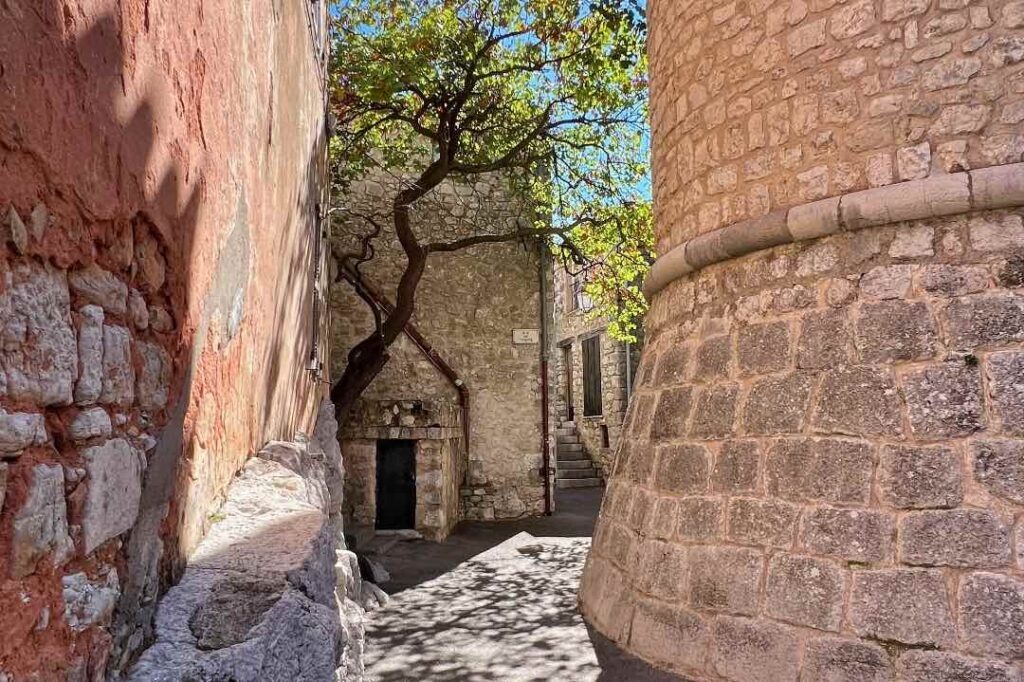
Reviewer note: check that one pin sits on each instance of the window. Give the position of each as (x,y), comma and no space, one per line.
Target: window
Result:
(592,376)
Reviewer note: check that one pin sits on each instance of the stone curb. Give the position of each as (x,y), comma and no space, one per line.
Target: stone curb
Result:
(932,197)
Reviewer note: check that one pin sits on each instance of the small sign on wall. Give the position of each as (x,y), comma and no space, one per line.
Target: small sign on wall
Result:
(525,337)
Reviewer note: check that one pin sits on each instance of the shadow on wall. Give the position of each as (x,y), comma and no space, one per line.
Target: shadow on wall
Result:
(121,163)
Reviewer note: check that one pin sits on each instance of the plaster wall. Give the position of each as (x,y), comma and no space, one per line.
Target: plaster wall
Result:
(159,172)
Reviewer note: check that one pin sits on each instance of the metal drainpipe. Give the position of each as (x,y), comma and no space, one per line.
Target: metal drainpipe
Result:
(545,426)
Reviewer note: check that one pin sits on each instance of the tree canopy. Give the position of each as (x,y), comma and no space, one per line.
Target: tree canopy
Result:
(549,94)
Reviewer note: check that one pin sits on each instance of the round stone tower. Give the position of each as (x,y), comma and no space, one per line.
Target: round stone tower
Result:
(822,472)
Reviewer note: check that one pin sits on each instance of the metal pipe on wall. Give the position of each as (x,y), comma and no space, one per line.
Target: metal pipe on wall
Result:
(545,427)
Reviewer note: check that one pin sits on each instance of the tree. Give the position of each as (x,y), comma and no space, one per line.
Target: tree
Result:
(548,94)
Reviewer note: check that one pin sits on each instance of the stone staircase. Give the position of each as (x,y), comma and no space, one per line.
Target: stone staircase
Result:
(575,470)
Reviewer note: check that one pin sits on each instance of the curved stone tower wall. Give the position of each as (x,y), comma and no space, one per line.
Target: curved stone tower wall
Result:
(822,474)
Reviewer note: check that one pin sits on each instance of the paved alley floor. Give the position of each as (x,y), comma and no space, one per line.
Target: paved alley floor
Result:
(496,602)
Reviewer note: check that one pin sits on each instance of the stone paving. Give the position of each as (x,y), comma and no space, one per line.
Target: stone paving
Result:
(504,613)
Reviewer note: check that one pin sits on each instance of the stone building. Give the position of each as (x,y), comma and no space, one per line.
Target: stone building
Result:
(161,167)
(481,311)
(594,375)
(820,476)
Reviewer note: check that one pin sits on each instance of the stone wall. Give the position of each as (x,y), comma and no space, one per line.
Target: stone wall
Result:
(467,306)
(570,328)
(820,478)
(155,307)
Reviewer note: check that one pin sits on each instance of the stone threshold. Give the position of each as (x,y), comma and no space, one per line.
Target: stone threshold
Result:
(938,195)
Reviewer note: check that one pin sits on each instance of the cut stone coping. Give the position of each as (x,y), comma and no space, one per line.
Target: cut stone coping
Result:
(938,195)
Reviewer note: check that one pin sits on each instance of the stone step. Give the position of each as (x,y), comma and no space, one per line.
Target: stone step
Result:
(569,447)
(572,457)
(567,425)
(568,440)
(588,472)
(578,483)
(574,464)
(559,433)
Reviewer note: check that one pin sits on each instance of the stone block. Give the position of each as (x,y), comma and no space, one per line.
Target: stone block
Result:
(19,430)
(861,535)
(985,319)
(755,521)
(893,331)
(805,591)
(824,340)
(100,287)
(763,348)
(668,634)
(40,528)
(3,484)
(93,422)
(118,368)
(38,353)
(992,614)
(917,241)
(138,311)
(671,414)
(778,404)
(114,487)
(853,19)
(1006,386)
(154,378)
(897,10)
(950,72)
(672,365)
(699,518)
(746,650)
(713,359)
(814,220)
(937,195)
(662,521)
(996,234)
(921,477)
(999,468)
(913,163)
(637,461)
(954,280)
(887,281)
(831,659)
(858,400)
(916,665)
(88,603)
(725,579)
(715,412)
(662,570)
(682,469)
(90,355)
(806,37)
(737,467)
(998,186)
(826,469)
(910,606)
(966,538)
(944,400)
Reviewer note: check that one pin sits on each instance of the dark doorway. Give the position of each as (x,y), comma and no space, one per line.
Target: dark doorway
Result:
(396,484)
(567,387)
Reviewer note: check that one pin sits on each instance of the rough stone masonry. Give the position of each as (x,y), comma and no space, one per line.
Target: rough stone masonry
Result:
(822,470)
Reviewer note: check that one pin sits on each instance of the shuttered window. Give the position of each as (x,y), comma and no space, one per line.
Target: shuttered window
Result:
(592,376)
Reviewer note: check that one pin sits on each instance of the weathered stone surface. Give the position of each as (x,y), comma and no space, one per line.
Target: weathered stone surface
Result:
(806,37)
(682,469)
(913,242)
(954,280)
(118,369)
(90,355)
(88,603)
(668,633)
(92,422)
(101,288)
(699,518)
(715,412)
(912,163)
(921,476)
(748,650)
(138,311)
(154,377)
(888,281)
(895,10)
(3,484)
(805,591)
(999,468)
(778,404)
(845,660)
(858,400)
(944,400)
(725,579)
(992,614)
(825,469)
(40,527)
(985,319)
(19,430)
(853,534)
(957,537)
(824,340)
(756,521)
(996,234)
(662,569)
(852,20)
(671,414)
(910,606)
(37,342)
(763,348)
(950,72)
(892,331)
(714,359)
(940,666)
(1006,386)
(736,467)
(672,365)
(114,488)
